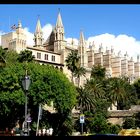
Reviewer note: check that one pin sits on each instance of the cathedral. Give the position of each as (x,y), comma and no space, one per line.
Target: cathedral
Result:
(55,49)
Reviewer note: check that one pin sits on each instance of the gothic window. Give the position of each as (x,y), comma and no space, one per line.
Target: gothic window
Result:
(46,56)
(38,55)
(53,58)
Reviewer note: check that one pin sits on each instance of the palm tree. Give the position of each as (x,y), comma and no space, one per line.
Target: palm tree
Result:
(85,99)
(2,57)
(98,72)
(80,71)
(72,62)
(118,89)
(95,88)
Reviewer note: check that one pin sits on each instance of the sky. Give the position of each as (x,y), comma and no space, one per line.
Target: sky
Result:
(116,25)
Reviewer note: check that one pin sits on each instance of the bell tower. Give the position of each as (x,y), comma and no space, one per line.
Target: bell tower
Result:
(38,35)
(59,43)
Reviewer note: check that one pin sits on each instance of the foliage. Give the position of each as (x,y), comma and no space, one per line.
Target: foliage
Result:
(2,57)
(102,106)
(129,123)
(132,122)
(80,71)
(137,119)
(137,86)
(72,62)
(25,56)
(121,91)
(99,124)
(114,129)
(95,88)
(85,99)
(11,57)
(48,84)
(98,72)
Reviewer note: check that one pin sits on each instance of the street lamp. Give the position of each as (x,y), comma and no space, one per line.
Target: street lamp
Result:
(26,83)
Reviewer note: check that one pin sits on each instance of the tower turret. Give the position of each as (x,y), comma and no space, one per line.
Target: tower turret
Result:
(38,35)
(59,29)
(82,50)
(19,29)
(59,43)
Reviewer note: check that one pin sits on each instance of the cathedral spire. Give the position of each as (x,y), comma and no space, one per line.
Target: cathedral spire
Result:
(82,50)
(59,20)
(59,29)
(82,39)
(38,35)
(38,26)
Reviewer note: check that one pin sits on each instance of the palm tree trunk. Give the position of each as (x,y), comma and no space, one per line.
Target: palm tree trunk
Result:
(78,81)
(72,78)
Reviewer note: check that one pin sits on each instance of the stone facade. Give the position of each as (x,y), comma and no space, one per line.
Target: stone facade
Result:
(15,40)
(55,50)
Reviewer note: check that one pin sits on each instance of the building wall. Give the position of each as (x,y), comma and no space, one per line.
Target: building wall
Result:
(14,41)
(137,69)
(116,120)
(124,66)
(116,65)
(131,67)
(5,39)
(46,56)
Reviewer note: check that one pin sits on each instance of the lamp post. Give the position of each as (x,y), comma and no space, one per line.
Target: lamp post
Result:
(26,83)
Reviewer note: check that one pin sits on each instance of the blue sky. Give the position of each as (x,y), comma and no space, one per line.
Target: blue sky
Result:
(96,20)
(92,18)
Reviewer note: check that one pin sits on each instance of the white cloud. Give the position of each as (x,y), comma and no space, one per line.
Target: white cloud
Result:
(69,40)
(121,42)
(46,32)
(29,37)
(47,29)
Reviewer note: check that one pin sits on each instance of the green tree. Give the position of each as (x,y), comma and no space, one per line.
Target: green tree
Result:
(72,62)
(132,98)
(2,57)
(48,84)
(95,88)
(137,119)
(98,72)
(99,124)
(114,129)
(117,90)
(129,123)
(85,99)
(11,57)
(137,86)
(80,71)
(26,56)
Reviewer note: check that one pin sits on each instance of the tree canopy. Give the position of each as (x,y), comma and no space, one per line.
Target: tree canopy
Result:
(47,84)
